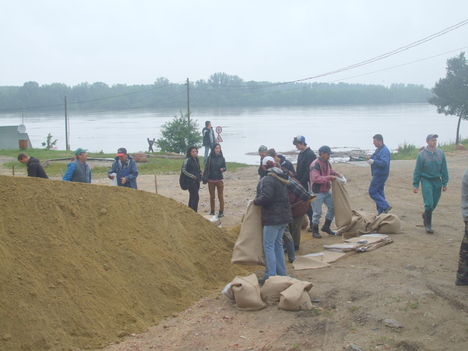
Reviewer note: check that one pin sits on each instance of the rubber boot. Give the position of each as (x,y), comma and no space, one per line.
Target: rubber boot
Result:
(315,231)
(428,224)
(326,227)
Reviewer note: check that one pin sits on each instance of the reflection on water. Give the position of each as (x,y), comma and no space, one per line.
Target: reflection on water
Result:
(245,129)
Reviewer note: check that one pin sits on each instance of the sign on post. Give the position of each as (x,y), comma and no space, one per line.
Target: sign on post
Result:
(219,130)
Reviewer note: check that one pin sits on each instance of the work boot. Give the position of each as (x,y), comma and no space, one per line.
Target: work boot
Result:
(326,227)
(428,222)
(315,231)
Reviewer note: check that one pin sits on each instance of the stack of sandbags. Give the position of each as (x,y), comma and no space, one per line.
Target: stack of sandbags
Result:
(291,294)
(352,223)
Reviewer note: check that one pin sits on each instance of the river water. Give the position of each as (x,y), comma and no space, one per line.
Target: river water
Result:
(244,129)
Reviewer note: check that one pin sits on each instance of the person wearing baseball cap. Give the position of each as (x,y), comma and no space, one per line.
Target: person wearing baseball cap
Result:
(304,160)
(380,169)
(321,175)
(125,169)
(431,171)
(78,170)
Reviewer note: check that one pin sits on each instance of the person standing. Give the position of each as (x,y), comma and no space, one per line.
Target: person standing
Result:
(321,175)
(213,173)
(78,170)
(33,165)
(304,160)
(191,170)
(272,195)
(431,171)
(208,140)
(262,152)
(286,165)
(125,168)
(462,273)
(380,169)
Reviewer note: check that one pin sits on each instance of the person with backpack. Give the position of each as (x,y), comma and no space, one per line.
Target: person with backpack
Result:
(272,196)
(321,175)
(213,175)
(208,140)
(190,177)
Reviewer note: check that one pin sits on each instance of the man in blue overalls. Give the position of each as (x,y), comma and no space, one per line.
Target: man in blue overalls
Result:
(380,169)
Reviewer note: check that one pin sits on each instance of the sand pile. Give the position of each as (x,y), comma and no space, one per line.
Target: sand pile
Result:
(81,265)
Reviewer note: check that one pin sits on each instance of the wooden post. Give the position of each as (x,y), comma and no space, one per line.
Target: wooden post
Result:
(67,145)
(188,101)
(13,170)
(155,184)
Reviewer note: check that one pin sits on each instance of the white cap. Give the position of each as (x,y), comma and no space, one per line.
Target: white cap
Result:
(266,159)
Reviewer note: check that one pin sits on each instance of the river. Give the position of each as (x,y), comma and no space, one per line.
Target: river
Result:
(244,129)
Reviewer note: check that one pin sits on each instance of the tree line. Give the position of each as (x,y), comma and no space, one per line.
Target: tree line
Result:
(219,90)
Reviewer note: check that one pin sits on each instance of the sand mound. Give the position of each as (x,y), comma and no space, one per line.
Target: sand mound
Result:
(81,265)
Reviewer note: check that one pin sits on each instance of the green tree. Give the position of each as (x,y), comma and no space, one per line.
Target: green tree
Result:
(451,92)
(179,134)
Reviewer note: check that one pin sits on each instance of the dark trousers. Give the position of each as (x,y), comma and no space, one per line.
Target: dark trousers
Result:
(212,187)
(194,197)
(462,274)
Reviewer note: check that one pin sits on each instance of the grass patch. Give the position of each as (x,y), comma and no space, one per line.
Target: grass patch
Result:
(57,169)
(410,151)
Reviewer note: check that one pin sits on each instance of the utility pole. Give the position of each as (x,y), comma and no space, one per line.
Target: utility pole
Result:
(188,100)
(67,145)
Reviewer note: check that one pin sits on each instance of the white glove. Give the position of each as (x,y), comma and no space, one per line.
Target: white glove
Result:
(370,161)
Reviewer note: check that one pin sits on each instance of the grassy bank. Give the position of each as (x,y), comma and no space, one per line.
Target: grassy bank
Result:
(57,168)
(410,152)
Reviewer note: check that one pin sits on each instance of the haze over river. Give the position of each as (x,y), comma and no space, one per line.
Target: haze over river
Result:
(244,129)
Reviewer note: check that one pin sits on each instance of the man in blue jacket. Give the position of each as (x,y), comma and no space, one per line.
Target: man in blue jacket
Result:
(78,170)
(125,169)
(380,169)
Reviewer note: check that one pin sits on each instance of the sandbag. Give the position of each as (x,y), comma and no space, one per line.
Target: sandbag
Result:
(273,286)
(386,223)
(246,291)
(296,297)
(249,245)
(343,211)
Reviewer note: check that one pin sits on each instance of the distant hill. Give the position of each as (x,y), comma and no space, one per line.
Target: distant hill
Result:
(220,90)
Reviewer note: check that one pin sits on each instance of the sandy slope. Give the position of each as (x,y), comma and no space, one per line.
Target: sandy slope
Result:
(411,280)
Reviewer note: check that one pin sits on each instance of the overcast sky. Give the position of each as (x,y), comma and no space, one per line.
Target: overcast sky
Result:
(136,41)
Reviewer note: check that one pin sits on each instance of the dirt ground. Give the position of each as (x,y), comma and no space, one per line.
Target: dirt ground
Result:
(411,281)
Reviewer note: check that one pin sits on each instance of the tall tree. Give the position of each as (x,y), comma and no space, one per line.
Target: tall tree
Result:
(451,92)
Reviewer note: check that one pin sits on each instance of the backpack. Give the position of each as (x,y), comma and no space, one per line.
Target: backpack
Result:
(183,181)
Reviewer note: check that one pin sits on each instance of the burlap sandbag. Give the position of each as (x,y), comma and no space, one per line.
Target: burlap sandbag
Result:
(343,212)
(246,293)
(386,223)
(249,245)
(273,287)
(296,297)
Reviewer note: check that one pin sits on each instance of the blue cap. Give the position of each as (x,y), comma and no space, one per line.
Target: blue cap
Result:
(80,151)
(325,150)
(299,140)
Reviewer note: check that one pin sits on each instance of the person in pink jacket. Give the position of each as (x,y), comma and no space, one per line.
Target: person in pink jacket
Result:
(321,175)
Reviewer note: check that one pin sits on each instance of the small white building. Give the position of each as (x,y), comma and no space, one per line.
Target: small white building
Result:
(11,137)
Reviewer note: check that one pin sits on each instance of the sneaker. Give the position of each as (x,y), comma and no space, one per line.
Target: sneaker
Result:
(388,209)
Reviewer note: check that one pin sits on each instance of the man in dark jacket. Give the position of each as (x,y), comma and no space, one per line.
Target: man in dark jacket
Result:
(125,169)
(78,170)
(286,165)
(208,139)
(262,152)
(272,195)
(304,160)
(34,166)
(380,169)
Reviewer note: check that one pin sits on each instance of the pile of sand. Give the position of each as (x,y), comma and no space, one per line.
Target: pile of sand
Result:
(81,265)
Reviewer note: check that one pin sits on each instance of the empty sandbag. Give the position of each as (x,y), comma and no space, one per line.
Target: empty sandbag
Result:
(296,297)
(273,286)
(246,291)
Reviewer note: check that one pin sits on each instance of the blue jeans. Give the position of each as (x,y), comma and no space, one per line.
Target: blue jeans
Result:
(376,192)
(273,250)
(317,207)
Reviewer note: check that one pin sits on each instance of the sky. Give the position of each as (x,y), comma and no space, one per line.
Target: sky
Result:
(137,41)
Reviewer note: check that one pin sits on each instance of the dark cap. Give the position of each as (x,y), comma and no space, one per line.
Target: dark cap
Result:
(262,148)
(121,151)
(325,150)
(299,140)
(431,136)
